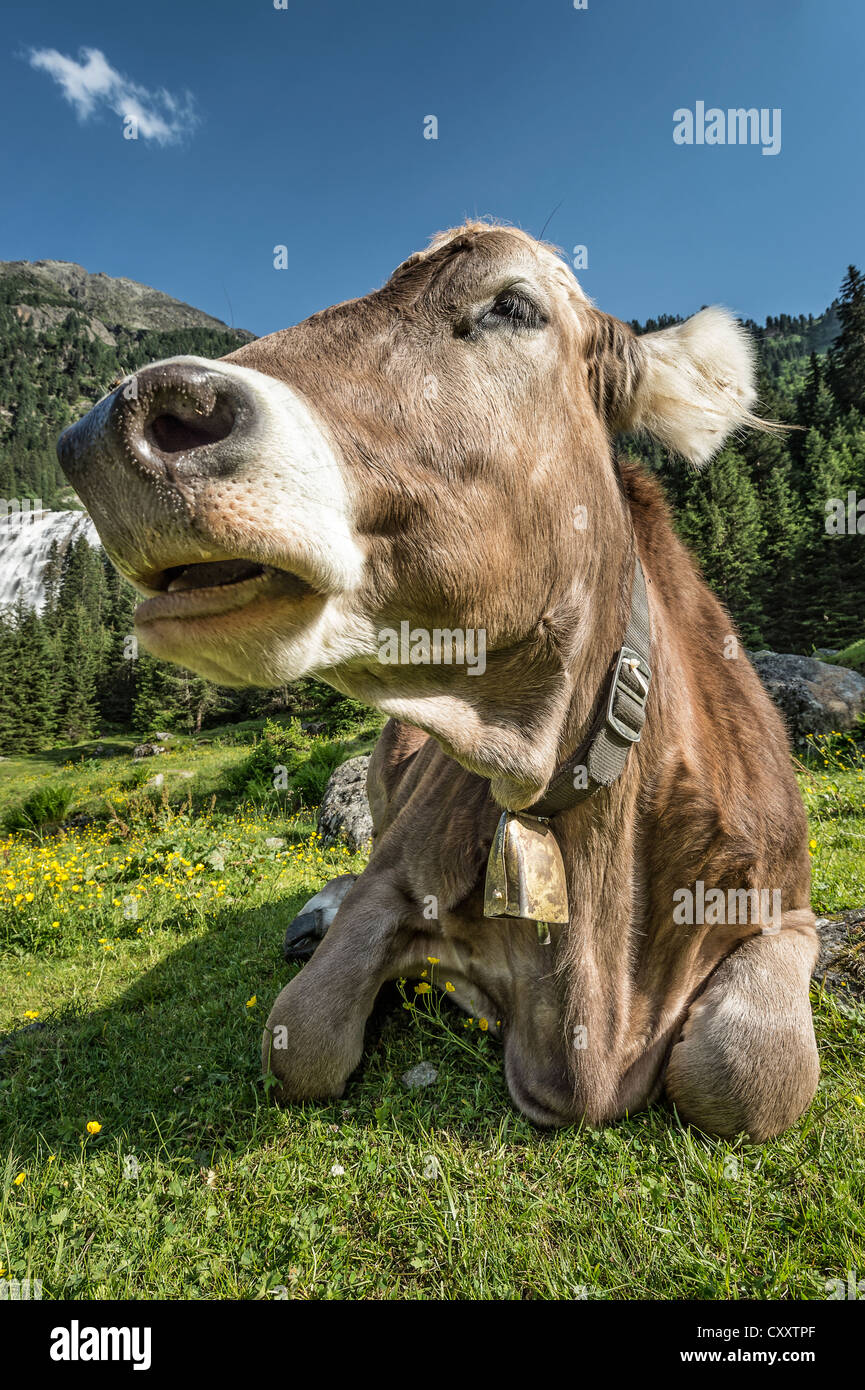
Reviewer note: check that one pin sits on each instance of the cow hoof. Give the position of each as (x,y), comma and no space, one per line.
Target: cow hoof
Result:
(303,935)
(307,929)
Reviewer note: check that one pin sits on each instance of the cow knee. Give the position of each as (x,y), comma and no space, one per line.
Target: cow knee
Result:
(313,1039)
(746,1061)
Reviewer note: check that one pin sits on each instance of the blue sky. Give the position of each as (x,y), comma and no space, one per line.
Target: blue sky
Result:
(303,127)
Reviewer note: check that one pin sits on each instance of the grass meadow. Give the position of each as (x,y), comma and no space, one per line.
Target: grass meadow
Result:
(140,1157)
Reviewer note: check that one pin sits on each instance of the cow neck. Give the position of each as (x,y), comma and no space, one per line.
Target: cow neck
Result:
(618,723)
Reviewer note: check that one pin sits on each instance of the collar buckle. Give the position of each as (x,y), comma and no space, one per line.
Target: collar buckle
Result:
(629,692)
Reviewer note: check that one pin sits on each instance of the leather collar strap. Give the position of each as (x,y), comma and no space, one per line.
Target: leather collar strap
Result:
(619,721)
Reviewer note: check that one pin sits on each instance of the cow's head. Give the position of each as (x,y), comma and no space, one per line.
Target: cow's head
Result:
(435,454)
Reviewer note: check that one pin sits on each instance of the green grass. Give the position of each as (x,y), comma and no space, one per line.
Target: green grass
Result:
(149,1004)
(852,656)
(832,782)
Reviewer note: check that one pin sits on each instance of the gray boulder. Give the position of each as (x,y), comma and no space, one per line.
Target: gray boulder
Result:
(344,813)
(813,697)
(839,965)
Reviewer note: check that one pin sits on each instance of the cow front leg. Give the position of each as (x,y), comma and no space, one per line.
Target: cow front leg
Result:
(746,1061)
(313,1038)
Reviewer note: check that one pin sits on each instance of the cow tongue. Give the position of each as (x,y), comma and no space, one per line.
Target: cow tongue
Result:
(213,574)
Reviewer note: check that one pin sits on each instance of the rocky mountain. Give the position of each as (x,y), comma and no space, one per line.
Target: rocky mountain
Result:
(65,335)
(42,293)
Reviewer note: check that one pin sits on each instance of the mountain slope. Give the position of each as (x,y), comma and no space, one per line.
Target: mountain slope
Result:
(115,302)
(65,335)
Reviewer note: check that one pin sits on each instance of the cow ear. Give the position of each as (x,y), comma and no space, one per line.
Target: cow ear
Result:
(695,385)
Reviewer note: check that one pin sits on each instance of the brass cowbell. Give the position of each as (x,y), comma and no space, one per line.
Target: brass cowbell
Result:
(525,873)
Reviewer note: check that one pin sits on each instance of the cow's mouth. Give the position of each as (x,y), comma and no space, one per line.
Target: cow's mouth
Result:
(205,590)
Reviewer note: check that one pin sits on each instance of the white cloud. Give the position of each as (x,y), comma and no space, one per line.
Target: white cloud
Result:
(92,82)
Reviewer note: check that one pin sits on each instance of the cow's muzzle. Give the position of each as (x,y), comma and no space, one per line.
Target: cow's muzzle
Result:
(219,496)
(176,420)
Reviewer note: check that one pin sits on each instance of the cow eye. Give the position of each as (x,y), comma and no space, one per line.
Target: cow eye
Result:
(514,308)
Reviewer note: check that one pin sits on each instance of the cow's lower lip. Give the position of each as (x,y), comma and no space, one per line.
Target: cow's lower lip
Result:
(208,590)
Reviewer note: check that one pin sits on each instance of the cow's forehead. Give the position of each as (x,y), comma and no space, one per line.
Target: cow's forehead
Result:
(489,245)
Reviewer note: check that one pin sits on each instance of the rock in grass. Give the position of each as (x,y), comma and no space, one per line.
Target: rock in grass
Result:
(345,813)
(839,965)
(813,697)
(147,750)
(424,1074)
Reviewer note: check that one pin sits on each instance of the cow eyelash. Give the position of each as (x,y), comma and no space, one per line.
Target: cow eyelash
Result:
(515,309)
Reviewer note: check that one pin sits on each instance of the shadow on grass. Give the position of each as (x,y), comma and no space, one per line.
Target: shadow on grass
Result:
(173,1064)
(75,753)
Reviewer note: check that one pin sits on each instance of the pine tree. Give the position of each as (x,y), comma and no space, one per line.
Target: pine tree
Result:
(724,524)
(78,712)
(846,369)
(117,677)
(10,705)
(815,407)
(825,601)
(777,584)
(51,578)
(37,683)
(157,697)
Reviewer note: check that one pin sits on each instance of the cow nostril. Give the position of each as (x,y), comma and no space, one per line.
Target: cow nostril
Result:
(170,419)
(171,433)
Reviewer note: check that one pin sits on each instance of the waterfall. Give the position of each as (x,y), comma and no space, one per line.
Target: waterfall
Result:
(25,547)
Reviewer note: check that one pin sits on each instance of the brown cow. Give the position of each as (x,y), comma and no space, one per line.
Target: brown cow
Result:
(438,455)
